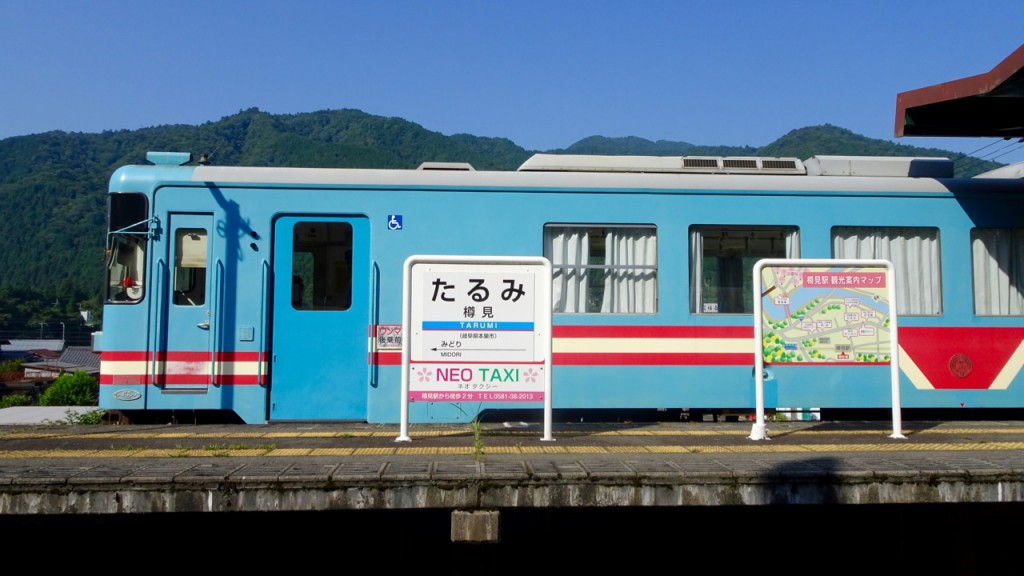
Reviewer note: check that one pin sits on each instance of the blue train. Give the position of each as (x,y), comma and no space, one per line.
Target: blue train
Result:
(275,294)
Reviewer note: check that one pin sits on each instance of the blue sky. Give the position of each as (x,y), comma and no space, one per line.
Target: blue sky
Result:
(541,73)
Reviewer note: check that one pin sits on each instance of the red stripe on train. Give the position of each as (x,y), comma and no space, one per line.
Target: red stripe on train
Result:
(386,358)
(123,379)
(181,356)
(950,357)
(650,359)
(652,331)
(961,358)
(180,380)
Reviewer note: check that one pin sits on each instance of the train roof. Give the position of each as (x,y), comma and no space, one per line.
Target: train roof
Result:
(816,166)
(592,172)
(907,167)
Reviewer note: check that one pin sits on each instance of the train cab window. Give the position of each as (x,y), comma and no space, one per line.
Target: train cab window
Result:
(722,260)
(321,266)
(997,257)
(190,267)
(914,253)
(603,269)
(127,237)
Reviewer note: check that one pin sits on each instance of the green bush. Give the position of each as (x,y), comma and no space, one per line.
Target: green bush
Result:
(12,400)
(78,389)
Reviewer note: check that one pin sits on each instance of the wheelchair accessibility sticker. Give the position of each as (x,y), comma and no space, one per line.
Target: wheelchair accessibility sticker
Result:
(394,221)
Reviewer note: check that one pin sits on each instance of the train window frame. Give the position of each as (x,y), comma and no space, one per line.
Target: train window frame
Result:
(588,289)
(321,266)
(190,256)
(127,246)
(917,294)
(997,271)
(722,259)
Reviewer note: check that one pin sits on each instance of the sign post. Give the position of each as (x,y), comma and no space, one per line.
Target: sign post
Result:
(824,311)
(477,329)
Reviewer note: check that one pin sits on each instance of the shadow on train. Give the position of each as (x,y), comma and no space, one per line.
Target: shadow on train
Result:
(618,416)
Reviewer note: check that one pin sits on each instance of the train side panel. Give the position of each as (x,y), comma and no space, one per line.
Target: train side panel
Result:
(225,327)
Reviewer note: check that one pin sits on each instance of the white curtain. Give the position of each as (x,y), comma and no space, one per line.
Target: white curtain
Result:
(630,283)
(998,262)
(914,253)
(793,244)
(569,252)
(696,269)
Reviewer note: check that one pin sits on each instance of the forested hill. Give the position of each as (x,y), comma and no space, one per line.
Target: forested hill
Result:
(53,185)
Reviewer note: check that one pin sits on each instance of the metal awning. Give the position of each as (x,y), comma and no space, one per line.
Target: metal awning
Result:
(986,105)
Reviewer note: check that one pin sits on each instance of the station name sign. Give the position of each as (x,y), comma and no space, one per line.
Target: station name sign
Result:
(478,331)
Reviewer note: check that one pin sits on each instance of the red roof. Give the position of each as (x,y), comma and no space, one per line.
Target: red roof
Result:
(986,105)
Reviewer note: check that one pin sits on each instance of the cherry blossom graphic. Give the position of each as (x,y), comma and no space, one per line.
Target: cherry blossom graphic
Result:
(423,374)
(530,376)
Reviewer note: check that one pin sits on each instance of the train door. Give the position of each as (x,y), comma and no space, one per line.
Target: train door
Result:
(320,319)
(187,361)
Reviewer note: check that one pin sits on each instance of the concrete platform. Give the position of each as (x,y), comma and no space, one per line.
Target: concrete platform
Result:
(53,468)
(597,486)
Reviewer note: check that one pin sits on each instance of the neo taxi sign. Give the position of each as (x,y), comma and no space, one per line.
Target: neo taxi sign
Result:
(477,329)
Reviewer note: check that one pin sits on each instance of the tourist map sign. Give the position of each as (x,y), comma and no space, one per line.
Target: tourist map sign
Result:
(815,314)
(839,311)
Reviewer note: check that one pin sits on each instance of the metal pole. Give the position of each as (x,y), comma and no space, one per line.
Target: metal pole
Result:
(759,431)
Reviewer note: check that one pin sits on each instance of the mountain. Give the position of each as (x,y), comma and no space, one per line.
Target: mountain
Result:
(53,201)
(632,145)
(802,143)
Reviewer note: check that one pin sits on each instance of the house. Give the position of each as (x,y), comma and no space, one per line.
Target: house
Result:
(30,350)
(72,359)
(44,361)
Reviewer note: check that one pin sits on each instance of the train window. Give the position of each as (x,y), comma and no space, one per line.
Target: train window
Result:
(128,213)
(997,256)
(914,253)
(322,266)
(190,267)
(603,269)
(127,234)
(722,262)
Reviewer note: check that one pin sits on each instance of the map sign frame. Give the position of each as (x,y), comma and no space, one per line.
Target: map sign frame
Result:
(476,329)
(852,304)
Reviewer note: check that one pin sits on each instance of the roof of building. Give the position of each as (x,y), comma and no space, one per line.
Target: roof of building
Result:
(81,356)
(34,345)
(986,105)
(58,367)
(73,359)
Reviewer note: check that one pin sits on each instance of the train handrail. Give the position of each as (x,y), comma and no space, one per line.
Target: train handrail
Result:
(374,286)
(218,317)
(264,282)
(160,309)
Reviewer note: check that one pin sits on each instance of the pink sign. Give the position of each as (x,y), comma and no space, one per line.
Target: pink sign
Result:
(844,279)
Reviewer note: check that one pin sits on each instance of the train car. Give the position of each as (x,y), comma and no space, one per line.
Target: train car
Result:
(275,294)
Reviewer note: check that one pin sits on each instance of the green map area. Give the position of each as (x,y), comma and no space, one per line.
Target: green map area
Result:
(814,315)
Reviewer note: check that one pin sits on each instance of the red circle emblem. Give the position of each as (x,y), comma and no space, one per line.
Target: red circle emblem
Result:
(960,365)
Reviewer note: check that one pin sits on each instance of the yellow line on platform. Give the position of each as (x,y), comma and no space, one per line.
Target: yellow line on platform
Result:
(766,448)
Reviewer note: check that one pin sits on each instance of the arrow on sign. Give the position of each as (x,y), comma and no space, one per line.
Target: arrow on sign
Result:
(479,349)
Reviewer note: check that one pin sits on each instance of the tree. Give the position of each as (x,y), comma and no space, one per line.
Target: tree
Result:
(78,389)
